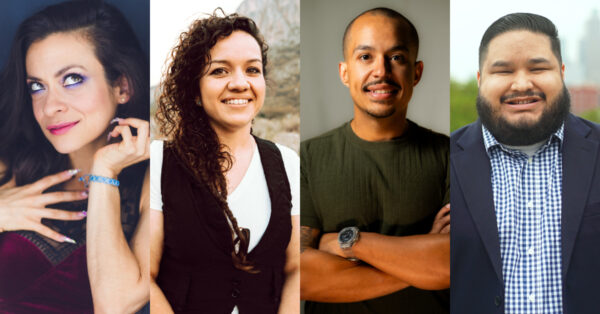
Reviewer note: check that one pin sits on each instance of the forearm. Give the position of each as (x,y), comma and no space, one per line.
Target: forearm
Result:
(158,301)
(289,295)
(117,281)
(422,261)
(330,278)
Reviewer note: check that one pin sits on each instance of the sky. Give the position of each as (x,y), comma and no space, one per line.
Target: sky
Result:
(168,19)
(470,18)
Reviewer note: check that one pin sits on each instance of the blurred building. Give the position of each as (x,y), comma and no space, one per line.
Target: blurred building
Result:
(584,98)
(589,50)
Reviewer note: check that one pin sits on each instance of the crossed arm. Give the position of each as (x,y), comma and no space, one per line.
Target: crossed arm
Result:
(393,263)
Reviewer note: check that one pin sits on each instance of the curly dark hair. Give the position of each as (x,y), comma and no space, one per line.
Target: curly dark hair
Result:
(186,123)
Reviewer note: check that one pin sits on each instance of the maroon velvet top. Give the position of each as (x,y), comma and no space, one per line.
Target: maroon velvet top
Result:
(38,274)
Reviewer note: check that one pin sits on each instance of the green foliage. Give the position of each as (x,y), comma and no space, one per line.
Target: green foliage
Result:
(462,103)
(592,115)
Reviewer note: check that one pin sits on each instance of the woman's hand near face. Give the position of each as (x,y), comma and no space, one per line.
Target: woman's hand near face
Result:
(111,159)
(23,207)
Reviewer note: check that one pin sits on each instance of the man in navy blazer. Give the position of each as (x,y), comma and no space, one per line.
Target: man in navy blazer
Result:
(525,183)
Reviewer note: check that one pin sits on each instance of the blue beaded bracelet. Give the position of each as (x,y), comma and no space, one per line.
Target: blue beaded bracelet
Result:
(86,179)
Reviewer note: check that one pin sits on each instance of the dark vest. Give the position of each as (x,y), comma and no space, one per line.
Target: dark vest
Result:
(196,270)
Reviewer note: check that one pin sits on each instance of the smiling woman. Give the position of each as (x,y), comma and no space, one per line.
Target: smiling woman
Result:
(225,203)
(66,246)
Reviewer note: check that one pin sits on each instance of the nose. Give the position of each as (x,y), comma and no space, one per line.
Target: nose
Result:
(522,82)
(239,81)
(53,103)
(381,67)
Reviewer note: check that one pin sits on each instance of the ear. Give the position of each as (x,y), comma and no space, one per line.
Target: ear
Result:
(418,72)
(343,69)
(122,90)
(562,71)
(478,79)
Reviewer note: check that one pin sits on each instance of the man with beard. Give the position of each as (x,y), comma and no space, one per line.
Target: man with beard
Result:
(372,189)
(525,183)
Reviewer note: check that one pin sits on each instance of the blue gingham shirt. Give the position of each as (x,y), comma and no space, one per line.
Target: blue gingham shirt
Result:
(527,200)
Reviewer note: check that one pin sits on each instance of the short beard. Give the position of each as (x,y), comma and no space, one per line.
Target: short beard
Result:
(524,133)
(377,115)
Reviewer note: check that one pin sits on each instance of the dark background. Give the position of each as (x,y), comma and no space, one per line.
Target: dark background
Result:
(13,12)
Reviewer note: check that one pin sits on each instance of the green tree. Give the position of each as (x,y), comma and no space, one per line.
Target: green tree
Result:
(462,103)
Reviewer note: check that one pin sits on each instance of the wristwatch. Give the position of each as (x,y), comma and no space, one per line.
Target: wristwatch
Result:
(346,238)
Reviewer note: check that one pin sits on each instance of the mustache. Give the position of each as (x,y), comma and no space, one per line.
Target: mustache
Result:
(524,94)
(384,81)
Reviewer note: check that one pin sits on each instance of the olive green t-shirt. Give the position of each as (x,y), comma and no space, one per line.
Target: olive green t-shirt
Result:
(392,187)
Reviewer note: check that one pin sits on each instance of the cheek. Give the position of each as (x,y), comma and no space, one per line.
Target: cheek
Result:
(259,86)
(492,88)
(37,108)
(210,89)
(551,84)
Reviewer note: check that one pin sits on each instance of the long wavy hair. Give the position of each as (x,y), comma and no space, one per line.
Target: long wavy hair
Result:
(24,149)
(186,123)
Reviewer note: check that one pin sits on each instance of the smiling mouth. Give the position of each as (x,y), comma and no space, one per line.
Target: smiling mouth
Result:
(381,91)
(236,101)
(522,101)
(62,128)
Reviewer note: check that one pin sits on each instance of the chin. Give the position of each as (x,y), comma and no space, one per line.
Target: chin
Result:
(523,120)
(65,149)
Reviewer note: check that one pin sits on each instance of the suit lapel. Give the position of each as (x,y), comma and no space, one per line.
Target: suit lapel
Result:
(473,172)
(579,156)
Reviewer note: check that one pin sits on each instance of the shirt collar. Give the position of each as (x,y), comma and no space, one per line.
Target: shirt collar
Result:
(490,141)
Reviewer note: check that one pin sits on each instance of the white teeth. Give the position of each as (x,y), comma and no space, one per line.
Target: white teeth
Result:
(381,91)
(236,101)
(522,102)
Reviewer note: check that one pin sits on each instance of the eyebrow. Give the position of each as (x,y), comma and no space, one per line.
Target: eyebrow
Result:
(59,72)
(367,47)
(501,64)
(227,62)
(538,61)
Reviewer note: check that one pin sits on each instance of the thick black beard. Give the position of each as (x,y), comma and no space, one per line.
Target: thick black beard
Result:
(523,133)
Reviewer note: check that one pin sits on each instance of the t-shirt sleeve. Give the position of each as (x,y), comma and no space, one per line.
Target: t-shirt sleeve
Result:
(156,158)
(291,163)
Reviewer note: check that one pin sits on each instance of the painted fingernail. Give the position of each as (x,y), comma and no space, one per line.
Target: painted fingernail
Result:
(84,194)
(73,172)
(83,213)
(115,120)
(67,239)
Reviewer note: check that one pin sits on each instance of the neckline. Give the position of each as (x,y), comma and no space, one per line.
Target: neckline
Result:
(254,160)
(379,145)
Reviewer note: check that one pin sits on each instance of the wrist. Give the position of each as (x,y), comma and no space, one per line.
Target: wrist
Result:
(100,170)
(347,238)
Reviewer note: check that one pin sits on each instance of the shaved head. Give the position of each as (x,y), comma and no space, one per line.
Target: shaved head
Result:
(401,20)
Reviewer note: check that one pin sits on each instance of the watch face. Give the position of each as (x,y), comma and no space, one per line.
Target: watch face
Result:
(346,236)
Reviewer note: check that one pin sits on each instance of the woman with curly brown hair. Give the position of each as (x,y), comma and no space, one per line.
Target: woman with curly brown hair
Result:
(224,228)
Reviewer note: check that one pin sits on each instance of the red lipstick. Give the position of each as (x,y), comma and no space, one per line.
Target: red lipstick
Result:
(61,128)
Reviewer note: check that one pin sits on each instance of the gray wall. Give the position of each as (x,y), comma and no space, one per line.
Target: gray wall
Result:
(325,102)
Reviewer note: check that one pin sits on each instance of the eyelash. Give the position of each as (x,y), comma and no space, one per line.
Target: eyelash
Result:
(77,80)
(367,57)
(219,71)
(30,87)
(74,76)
